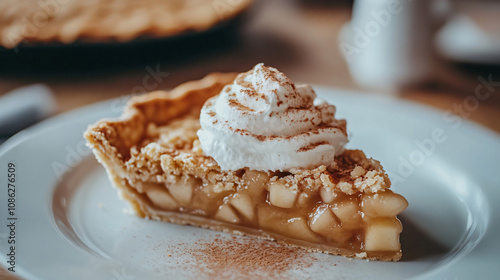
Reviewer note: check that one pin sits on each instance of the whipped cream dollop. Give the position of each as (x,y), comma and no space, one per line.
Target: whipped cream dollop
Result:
(264,121)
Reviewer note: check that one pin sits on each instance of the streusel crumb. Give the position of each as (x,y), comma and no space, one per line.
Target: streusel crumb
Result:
(173,150)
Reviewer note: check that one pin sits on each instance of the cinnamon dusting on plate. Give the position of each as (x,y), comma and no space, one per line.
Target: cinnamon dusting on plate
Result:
(243,258)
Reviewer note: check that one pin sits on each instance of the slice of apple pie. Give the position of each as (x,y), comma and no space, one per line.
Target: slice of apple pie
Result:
(251,154)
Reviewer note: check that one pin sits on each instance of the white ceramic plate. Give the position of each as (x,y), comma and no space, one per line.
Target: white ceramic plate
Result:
(72,226)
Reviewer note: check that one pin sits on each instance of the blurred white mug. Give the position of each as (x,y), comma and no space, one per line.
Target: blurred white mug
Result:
(389,43)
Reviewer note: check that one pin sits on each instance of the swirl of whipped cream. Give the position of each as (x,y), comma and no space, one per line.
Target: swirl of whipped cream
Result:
(264,121)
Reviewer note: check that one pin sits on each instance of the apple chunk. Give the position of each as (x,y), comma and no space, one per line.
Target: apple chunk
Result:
(182,190)
(297,228)
(227,214)
(327,195)
(348,214)
(243,204)
(323,222)
(382,234)
(281,196)
(279,221)
(161,198)
(384,204)
(304,199)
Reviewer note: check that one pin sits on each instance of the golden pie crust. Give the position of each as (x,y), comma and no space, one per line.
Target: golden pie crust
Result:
(105,20)
(153,157)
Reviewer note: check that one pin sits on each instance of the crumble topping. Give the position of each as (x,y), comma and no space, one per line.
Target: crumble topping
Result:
(173,151)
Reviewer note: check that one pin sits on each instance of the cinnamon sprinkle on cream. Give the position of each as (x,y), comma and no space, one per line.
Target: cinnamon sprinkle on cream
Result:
(236,104)
(311,146)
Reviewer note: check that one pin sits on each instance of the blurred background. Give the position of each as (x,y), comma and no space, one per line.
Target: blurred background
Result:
(445,54)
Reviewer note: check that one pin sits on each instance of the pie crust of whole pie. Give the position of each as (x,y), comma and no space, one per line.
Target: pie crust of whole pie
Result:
(66,21)
(153,157)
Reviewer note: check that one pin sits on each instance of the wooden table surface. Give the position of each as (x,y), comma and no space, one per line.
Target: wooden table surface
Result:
(297,37)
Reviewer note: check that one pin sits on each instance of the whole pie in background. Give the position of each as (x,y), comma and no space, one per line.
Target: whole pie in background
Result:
(66,21)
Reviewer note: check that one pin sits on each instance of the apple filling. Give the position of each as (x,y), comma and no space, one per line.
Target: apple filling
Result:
(359,222)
